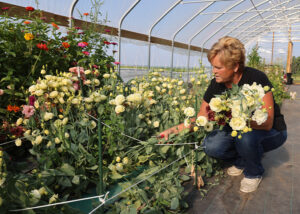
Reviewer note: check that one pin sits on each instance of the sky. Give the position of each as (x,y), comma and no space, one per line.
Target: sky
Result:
(141,18)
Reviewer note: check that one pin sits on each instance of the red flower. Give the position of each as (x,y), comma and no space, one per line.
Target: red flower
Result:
(5,8)
(65,45)
(55,25)
(26,22)
(86,14)
(17,131)
(42,46)
(43,18)
(95,66)
(107,30)
(106,42)
(114,43)
(31,100)
(29,8)
(77,28)
(86,53)
(117,63)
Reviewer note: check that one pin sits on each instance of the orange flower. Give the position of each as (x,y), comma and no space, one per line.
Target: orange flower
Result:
(65,45)
(11,108)
(86,14)
(55,25)
(26,22)
(60,110)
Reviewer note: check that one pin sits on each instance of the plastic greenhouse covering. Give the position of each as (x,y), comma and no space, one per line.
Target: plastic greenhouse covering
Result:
(196,23)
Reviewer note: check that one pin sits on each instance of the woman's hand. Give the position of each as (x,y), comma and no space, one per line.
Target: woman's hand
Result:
(165,134)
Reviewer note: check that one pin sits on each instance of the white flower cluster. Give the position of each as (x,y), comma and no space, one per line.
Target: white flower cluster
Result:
(244,103)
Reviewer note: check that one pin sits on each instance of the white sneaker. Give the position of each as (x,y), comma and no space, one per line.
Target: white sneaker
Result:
(233,171)
(249,184)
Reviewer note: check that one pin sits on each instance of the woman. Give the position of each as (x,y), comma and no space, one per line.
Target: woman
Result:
(227,58)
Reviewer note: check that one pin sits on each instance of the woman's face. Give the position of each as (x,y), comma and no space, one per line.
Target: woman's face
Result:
(221,73)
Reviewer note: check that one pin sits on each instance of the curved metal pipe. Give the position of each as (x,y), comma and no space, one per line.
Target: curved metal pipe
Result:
(120,25)
(150,31)
(71,12)
(185,24)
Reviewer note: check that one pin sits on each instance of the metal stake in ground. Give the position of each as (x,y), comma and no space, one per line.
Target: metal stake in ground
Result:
(100,159)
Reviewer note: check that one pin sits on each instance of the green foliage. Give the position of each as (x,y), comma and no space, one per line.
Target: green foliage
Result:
(254,59)
(296,65)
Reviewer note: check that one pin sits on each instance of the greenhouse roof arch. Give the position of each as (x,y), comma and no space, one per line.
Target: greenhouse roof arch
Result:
(191,25)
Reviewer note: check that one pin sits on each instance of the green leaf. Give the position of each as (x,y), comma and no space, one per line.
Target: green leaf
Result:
(76,179)
(115,175)
(164,149)
(174,203)
(68,169)
(93,167)
(185,177)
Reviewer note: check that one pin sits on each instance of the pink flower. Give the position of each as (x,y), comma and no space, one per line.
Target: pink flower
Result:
(28,111)
(117,63)
(83,44)
(5,8)
(113,43)
(1,92)
(107,30)
(95,66)
(77,28)
(86,53)
(76,86)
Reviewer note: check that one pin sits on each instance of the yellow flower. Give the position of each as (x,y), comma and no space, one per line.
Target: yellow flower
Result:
(67,135)
(118,159)
(49,144)
(93,124)
(57,140)
(189,111)
(86,72)
(36,104)
(266,88)
(119,109)
(38,140)
(196,128)
(53,198)
(234,133)
(18,142)
(43,71)
(19,121)
(106,76)
(46,132)
(42,191)
(156,124)
(48,116)
(28,36)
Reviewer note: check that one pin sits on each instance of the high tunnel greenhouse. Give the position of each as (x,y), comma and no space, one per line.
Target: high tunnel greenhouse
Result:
(112,106)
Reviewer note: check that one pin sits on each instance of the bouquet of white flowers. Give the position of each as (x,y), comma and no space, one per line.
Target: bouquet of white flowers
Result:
(238,106)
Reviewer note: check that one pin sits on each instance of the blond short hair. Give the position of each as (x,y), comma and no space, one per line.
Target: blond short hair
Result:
(231,50)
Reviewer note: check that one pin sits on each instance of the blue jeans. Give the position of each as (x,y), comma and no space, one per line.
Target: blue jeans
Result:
(245,153)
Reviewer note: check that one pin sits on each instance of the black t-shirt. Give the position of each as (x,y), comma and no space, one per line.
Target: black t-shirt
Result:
(250,75)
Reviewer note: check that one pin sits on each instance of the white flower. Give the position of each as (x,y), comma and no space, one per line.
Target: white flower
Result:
(189,111)
(106,76)
(88,99)
(43,86)
(112,102)
(39,93)
(18,142)
(201,121)
(57,140)
(215,104)
(48,116)
(87,72)
(53,198)
(237,123)
(187,122)
(38,140)
(75,101)
(135,98)
(156,124)
(209,127)
(19,121)
(93,124)
(96,82)
(119,100)
(119,109)
(35,194)
(32,89)
(260,116)
(65,121)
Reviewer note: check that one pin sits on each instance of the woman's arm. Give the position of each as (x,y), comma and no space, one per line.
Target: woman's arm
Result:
(178,128)
(269,106)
